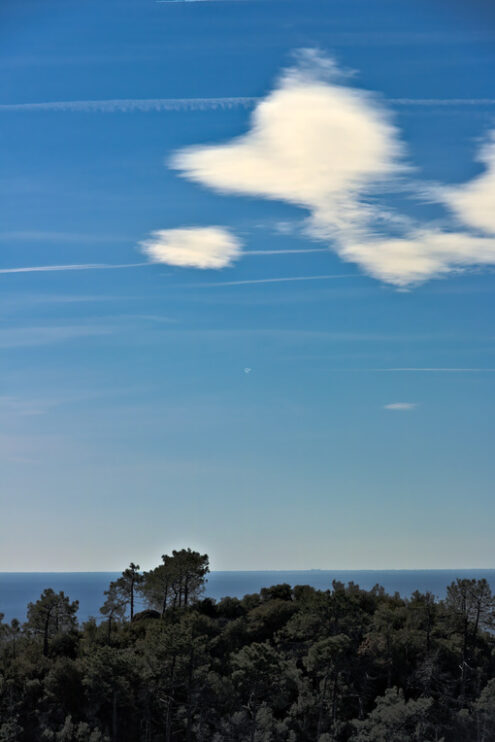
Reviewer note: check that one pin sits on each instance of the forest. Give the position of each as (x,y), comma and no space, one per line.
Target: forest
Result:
(162,663)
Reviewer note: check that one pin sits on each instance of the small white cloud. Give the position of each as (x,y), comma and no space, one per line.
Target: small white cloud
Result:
(247,370)
(400,406)
(193,247)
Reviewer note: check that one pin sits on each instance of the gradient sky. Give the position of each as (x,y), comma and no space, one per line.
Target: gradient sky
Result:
(291,362)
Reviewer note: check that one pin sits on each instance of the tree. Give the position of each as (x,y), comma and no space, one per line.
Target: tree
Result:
(13,632)
(109,677)
(190,569)
(51,614)
(326,660)
(125,587)
(73,732)
(422,615)
(114,605)
(395,720)
(471,605)
(484,713)
(177,582)
(259,672)
(471,601)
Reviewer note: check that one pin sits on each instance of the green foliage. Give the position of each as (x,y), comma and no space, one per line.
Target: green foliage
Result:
(74,732)
(177,582)
(395,720)
(284,665)
(52,614)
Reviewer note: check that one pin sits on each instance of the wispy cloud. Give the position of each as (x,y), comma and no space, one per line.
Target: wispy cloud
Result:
(158,318)
(25,337)
(193,247)
(127,105)
(400,406)
(287,279)
(327,147)
(46,236)
(74,267)
(24,407)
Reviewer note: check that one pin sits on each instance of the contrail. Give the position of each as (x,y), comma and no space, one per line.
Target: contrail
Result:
(76,267)
(277,280)
(436,370)
(128,105)
(442,101)
(284,252)
(182,2)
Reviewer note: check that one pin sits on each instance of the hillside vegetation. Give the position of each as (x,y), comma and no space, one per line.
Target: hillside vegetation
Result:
(285,665)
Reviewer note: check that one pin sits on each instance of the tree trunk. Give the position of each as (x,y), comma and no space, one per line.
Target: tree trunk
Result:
(165,596)
(45,634)
(321,704)
(114,717)
(168,718)
(464,660)
(189,695)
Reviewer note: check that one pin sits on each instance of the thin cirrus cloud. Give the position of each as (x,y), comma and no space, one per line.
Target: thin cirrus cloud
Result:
(26,337)
(327,147)
(193,247)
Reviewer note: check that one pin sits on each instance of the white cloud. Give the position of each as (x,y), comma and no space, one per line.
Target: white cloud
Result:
(474,202)
(312,142)
(326,147)
(420,255)
(400,406)
(193,247)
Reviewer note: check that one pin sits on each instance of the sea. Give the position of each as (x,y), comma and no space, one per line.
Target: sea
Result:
(17,589)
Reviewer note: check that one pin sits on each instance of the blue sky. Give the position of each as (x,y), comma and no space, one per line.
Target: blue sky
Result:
(269,333)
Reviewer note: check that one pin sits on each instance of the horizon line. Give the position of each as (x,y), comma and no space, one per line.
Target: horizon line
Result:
(268,571)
